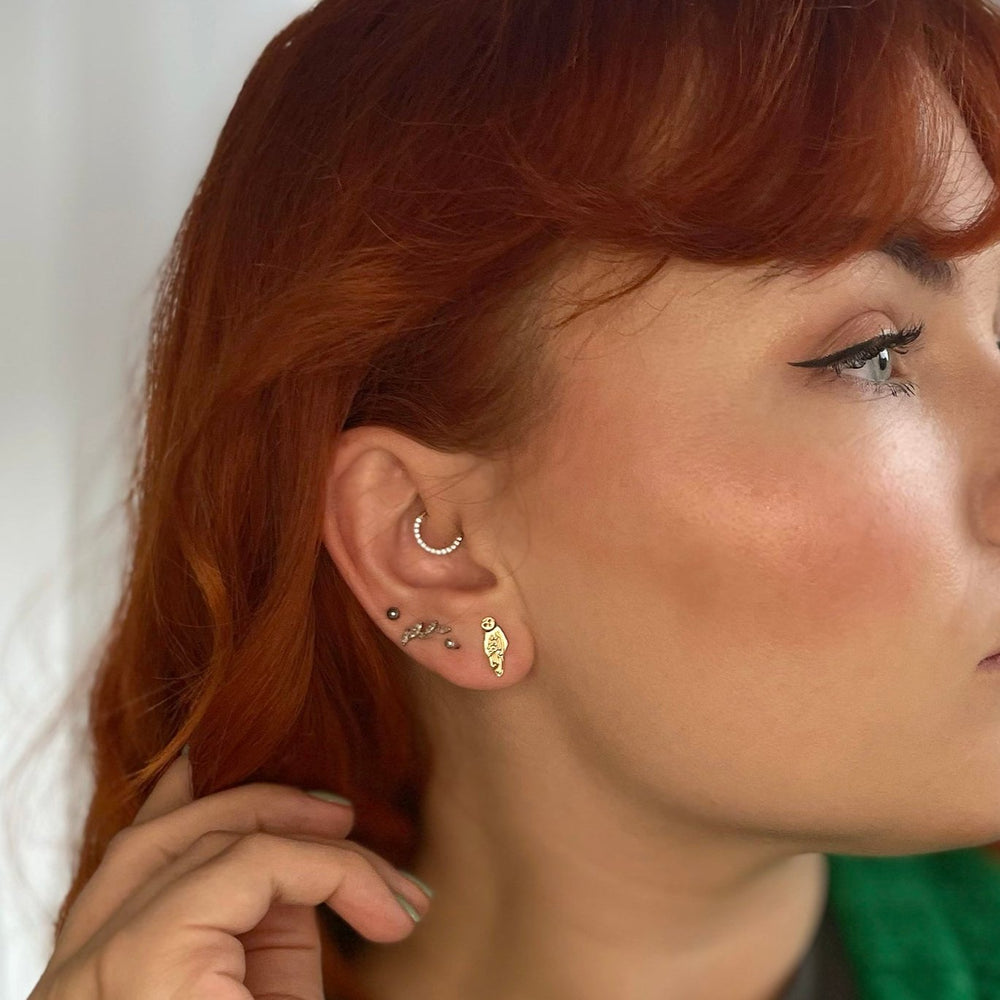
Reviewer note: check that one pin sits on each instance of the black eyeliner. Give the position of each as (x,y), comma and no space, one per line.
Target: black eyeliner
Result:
(886,339)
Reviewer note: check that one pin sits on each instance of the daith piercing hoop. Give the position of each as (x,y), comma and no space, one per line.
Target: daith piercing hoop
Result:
(427,548)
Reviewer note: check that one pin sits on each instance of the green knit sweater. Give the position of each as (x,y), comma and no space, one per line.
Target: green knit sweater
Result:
(922,926)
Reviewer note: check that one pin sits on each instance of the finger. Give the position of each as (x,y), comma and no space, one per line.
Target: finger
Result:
(137,852)
(204,911)
(213,843)
(234,890)
(192,932)
(396,879)
(283,954)
(172,789)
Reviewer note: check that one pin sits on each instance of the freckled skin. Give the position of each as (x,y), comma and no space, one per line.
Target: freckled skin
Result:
(774,592)
(745,605)
(809,578)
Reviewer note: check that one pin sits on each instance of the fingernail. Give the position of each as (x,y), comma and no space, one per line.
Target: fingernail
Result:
(408,906)
(413,878)
(319,793)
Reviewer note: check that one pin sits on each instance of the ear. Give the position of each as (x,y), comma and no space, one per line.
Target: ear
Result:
(379,480)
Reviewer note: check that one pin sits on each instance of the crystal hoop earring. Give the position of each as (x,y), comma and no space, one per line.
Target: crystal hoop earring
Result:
(427,548)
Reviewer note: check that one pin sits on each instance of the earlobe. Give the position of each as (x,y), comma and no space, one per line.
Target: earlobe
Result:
(495,641)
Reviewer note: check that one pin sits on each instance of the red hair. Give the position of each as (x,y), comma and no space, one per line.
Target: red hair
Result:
(393,188)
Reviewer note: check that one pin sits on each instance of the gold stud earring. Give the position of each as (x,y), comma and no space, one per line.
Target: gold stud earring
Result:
(494,644)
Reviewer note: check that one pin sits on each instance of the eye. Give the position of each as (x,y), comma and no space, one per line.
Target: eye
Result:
(877,350)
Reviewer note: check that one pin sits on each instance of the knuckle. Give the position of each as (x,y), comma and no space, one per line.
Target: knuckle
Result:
(208,845)
(256,843)
(120,844)
(356,865)
(212,841)
(365,853)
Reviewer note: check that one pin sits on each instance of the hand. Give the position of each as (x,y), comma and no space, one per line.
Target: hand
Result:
(213,898)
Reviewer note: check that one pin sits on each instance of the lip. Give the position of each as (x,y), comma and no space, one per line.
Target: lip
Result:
(991,662)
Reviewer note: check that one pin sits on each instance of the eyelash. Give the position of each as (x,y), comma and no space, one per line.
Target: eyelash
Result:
(894,340)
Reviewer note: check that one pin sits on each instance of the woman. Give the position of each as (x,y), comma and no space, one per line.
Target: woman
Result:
(571,436)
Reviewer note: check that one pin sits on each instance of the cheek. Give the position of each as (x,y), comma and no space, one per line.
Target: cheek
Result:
(805,550)
(731,605)
(772,542)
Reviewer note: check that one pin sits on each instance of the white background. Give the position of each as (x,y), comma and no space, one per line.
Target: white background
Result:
(110,111)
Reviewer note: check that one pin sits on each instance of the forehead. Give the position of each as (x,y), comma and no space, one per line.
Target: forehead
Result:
(965,188)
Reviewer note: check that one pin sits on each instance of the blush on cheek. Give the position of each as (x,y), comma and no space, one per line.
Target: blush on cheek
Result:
(809,563)
(853,579)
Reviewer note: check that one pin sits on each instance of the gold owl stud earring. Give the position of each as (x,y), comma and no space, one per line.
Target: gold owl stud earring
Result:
(494,644)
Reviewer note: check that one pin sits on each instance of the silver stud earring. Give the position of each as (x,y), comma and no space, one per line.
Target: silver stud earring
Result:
(421,630)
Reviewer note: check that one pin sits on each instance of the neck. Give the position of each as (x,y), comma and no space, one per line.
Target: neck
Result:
(556,876)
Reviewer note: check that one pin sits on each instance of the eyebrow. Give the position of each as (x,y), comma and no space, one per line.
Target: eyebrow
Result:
(910,255)
(935,273)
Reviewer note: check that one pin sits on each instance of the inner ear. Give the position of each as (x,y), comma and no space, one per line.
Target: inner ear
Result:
(379,483)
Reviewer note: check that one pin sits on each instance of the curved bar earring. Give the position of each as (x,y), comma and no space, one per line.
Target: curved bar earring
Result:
(422,630)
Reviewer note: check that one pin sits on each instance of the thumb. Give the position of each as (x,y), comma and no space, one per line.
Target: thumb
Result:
(171,791)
